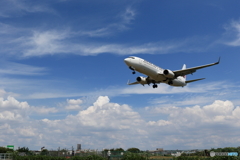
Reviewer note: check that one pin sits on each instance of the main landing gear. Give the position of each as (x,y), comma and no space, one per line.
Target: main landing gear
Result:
(155,86)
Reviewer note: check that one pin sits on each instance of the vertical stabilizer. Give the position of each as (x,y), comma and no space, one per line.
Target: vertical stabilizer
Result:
(184,67)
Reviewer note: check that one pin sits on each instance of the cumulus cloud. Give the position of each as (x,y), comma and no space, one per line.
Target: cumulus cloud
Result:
(200,124)
(108,115)
(110,125)
(13,109)
(74,104)
(12,103)
(208,113)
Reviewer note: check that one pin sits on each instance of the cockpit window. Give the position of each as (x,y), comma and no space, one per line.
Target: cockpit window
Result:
(132,57)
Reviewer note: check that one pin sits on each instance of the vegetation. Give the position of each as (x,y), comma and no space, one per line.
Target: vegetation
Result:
(119,150)
(134,156)
(5,150)
(133,150)
(91,157)
(23,149)
(130,154)
(226,149)
(44,152)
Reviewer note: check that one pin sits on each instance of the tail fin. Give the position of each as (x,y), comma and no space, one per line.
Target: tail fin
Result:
(184,67)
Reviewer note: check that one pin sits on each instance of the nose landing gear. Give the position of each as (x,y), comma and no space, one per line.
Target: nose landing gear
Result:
(132,69)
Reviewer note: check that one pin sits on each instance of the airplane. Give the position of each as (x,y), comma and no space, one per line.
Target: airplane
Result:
(156,75)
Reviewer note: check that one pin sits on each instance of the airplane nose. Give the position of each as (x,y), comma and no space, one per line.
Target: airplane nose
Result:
(127,60)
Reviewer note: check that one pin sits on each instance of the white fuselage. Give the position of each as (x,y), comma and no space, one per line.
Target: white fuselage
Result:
(154,72)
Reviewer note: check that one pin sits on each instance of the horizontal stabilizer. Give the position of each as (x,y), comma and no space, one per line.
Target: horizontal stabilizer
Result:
(194,80)
(132,83)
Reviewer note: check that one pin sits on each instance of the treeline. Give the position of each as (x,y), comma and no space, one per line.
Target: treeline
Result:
(227,149)
(5,150)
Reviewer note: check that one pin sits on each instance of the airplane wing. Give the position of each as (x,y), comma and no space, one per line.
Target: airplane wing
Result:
(192,70)
(132,83)
(194,80)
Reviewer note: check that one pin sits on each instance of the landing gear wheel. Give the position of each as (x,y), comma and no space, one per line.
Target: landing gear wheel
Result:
(133,72)
(155,86)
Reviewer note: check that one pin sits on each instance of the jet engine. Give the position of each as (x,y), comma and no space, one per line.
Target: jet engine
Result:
(176,83)
(168,73)
(142,80)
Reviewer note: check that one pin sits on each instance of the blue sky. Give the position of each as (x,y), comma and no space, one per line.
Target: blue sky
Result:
(63,78)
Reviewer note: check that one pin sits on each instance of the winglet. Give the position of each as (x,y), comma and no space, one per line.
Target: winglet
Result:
(218,60)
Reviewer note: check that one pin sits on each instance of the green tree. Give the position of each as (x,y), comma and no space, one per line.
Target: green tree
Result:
(119,150)
(23,149)
(183,154)
(5,150)
(133,150)
(133,156)
(44,152)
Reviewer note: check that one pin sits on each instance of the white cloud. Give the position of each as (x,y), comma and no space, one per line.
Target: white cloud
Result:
(74,104)
(124,20)
(7,115)
(2,92)
(41,93)
(218,112)
(111,125)
(27,132)
(219,108)
(232,35)
(166,89)
(20,69)
(58,42)
(108,115)
(194,124)
(44,110)
(38,42)
(48,42)
(19,7)
(159,123)
(12,103)
(13,109)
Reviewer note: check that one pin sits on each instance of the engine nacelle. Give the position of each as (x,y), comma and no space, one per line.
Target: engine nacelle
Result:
(142,80)
(176,83)
(168,73)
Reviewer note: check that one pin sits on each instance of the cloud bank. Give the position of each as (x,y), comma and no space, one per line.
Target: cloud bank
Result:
(110,125)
